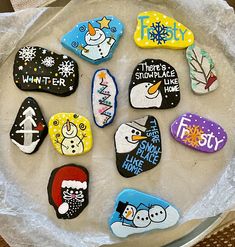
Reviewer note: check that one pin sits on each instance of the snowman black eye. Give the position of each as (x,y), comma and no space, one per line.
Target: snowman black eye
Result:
(152,215)
(138,217)
(127,208)
(146,86)
(137,133)
(133,131)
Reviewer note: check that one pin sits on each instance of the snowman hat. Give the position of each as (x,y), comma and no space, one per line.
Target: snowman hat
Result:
(139,124)
(121,207)
(70,176)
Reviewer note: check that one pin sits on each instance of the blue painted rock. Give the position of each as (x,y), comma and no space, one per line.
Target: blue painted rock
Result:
(138,146)
(104,97)
(94,40)
(202,70)
(68,190)
(138,212)
(198,133)
(154,84)
(38,69)
(29,128)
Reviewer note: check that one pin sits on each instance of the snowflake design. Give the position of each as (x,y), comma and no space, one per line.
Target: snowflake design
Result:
(193,135)
(159,33)
(27,53)
(66,68)
(48,61)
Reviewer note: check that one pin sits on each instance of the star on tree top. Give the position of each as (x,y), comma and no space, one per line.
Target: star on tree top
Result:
(102,75)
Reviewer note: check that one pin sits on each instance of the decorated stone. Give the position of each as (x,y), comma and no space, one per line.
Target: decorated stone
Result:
(68,190)
(70,133)
(198,133)
(138,212)
(202,70)
(138,146)
(104,97)
(29,128)
(94,40)
(154,84)
(155,29)
(38,69)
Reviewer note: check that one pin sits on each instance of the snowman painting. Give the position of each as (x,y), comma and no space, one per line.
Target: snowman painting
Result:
(138,212)
(98,45)
(94,40)
(146,95)
(71,144)
(129,135)
(154,84)
(70,133)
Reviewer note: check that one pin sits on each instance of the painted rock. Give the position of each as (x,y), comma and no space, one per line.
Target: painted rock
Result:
(38,69)
(138,212)
(104,97)
(68,190)
(202,70)
(138,146)
(94,40)
(155,29)
(70,133)
(29,128)
(198,133)
(154,84)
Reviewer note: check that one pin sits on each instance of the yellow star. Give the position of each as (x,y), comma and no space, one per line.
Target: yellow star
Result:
(102,75)
(104,22)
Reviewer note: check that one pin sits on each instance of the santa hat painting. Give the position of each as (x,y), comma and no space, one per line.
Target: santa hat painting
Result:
(68,190)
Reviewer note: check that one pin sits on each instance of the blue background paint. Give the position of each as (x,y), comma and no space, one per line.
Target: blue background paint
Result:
(76,36)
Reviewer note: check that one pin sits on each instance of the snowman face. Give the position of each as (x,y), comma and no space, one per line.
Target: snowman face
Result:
(142,219)
(69,130)
(95,39)
(146,95)
(157,214)
(127,138)
(129,212)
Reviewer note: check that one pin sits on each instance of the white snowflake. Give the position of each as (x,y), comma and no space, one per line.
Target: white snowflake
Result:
(66,68)
(27,53)
(20,68)
(48,61)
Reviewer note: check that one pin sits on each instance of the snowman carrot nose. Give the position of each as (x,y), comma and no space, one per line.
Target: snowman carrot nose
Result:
(154,88)
(138,138)
(128,214)
(91,29)
(68,125)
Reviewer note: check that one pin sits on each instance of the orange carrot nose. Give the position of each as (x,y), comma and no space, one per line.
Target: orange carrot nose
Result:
(128,214)
(91,29)
(154,88)
(68,125)
(138,138)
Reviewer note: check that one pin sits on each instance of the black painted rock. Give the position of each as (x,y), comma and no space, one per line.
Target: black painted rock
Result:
(138,146)
(154,84)
(29,128)
(38,69)
(68,190)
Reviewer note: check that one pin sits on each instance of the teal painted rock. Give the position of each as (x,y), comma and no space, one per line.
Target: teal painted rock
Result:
(138,212)
(94,40)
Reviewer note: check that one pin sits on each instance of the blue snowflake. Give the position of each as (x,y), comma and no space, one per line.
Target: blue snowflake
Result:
(158,33)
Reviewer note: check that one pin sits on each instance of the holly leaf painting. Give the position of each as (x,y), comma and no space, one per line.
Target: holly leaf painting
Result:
(202,70)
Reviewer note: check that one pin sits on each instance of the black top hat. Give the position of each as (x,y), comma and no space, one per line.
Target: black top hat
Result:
(121,207)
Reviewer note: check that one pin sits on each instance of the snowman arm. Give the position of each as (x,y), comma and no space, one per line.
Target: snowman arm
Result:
(56,141)
(80,47)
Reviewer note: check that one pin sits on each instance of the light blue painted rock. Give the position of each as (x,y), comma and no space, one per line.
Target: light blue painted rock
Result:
(94,40)
(138,212)
(104,97)
(198,133)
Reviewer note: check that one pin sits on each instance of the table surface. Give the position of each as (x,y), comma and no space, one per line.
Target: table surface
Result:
(6,6)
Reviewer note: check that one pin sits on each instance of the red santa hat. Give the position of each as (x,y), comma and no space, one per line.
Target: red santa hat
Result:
(70,176)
